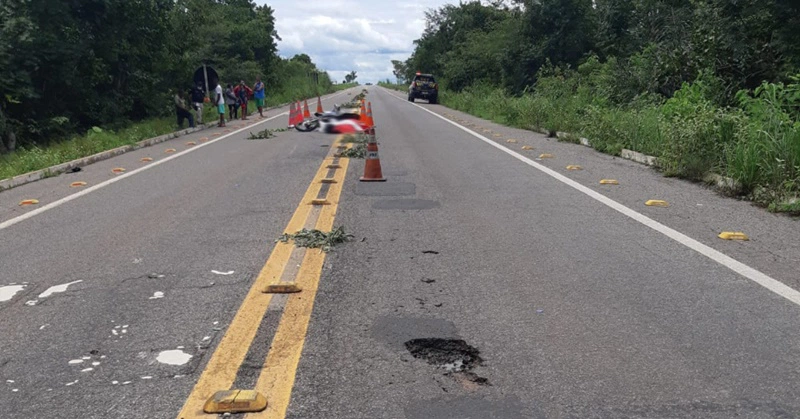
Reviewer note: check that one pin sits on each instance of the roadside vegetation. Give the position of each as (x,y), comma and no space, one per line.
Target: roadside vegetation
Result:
(78,78)
(706,86)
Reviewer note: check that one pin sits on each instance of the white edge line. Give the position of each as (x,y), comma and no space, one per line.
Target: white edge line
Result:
(76,195)
(752,274)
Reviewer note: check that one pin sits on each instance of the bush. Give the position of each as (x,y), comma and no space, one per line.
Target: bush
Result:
(756,144)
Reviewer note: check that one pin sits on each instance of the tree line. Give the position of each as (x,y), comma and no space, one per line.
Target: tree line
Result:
(68,65)
(654,45)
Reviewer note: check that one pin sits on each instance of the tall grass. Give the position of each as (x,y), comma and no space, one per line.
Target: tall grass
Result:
(756,144)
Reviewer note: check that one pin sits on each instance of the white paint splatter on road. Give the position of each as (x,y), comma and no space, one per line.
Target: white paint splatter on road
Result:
(7,292)
(87,369)
(157,295)
(222,273)
(76,361)
(173,357)
(58,288)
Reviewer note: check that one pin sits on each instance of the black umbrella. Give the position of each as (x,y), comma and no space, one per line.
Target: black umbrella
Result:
(199,77)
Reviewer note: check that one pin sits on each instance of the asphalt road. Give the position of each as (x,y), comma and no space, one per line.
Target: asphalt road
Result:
(481,282)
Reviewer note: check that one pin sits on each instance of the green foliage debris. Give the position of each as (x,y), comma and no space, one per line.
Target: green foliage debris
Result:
(317,239)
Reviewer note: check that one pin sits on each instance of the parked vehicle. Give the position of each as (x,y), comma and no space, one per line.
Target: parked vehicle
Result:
(424,86)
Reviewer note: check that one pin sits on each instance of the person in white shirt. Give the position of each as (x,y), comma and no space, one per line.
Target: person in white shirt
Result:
(220,101)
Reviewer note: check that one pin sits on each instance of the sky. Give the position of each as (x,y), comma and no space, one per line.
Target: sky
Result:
(347,35)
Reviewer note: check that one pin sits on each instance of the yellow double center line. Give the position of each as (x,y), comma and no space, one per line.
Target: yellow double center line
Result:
(277,377)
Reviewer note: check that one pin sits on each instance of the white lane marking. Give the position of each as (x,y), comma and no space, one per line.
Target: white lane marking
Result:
(222,273)
(57,288)
(7,292)
(746,271)
(76,195)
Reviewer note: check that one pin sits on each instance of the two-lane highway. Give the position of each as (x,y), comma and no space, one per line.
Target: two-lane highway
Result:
(482,282)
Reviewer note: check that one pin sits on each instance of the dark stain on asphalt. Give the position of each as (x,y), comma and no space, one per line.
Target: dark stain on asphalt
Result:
(430,252)
(687,409)
(396,330)
(405,204)
(386,189)
(469,408)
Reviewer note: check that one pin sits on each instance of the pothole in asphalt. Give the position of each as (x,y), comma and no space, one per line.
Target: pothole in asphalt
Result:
(451,355)
(454,356)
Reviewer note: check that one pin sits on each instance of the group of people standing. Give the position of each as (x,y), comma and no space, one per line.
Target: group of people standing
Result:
(238,97)
(230,99)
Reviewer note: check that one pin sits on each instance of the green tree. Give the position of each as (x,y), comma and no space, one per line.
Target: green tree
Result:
(399,70)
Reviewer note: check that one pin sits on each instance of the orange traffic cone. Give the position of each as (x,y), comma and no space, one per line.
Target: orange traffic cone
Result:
(298,114)
(292,111)
(370,121)
(362,115)
(306,113)
(319,105)
(372,168)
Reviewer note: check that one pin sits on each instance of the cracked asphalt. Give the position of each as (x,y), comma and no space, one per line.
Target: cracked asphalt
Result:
(576,310)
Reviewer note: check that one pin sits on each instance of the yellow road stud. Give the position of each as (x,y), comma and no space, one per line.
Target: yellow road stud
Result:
(574,167)
(204,139)
(147,159)
(77,184)
(319,202)
(328,180)
(333,166)
(118,170)
(729,235)
(511,141)
(546,156)
(282,289)
(527,147)
(498,135)
(170,150)
(191,143)
(28,202)
(235,401)
(609,182)
(656,203)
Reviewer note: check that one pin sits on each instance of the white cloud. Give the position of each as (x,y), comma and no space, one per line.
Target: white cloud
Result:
(347,35)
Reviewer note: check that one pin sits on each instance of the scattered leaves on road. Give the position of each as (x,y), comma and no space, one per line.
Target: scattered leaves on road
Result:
(265,134)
